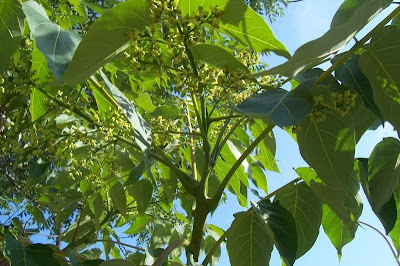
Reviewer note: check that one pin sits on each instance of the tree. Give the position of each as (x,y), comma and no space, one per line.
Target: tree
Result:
(142,114)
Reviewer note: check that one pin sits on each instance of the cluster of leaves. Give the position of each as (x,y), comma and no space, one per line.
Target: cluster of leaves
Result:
(138,116)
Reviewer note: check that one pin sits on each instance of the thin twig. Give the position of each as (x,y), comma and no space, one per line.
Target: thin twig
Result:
(384,237)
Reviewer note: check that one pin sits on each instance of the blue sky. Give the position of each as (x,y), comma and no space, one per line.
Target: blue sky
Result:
(303,22)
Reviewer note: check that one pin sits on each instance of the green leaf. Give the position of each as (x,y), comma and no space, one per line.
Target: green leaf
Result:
(349,73)
(306,210)
(222,168)
(249,242)
(37,106)
(217,56)
(57,44)
(240,22)
(135,174)
(141,129)
(258,177)
(169,183)
(31,255)
(379,63)
(339,232)
(278,106)
(39,66)
(138,224)
(281,226)
(396,22)
(362,117)
(351,17)
(118,197)
(142,192)
(381,179)
(11,30)
(395,233)
(144,101)
(267,147)
(98,209)
(107,37)
(102,102)
(328,147)
(37,214)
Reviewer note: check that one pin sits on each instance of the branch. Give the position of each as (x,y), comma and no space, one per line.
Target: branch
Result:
(192,151)
(118,243)
(188,182)
(215,119)
(384,237)
(213,203)
(357,46)
(163,256)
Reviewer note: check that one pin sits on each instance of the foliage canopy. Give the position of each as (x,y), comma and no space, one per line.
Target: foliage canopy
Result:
(140,115)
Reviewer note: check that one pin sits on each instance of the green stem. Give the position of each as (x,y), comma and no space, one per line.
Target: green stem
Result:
(118,243)
(213,203)
(103,91)
(216,119)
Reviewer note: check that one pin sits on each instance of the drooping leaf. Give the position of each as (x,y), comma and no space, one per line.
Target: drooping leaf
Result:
(118,197)
(249,243)
(281,226)
(138,224)
(37,214)
(30,255)
(39,66)
(57,44)
(351,17)
(11,29)
(141,192)
(379,63)
(306,210)
(267,147)
(278,106)
(339,232)
(349,73)
(379,176)
(141,129)
(144,101)
(363,118)
(107,37)
(217,56)
(259,177)
(98,208)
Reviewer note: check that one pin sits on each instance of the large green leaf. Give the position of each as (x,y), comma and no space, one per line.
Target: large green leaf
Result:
(39,66)
(107,37)
(363,118)
(278,106)
(267,147)
(217,56)
(281,226)
(241,23)
(306,210)
(349,73)
(118,197)
(141,192)
(141,129)
(328,147)
(31,255)
(57,44)
(351,17)
(249,244)
(339,232)
(380,64)
(383,178)
(11,28)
